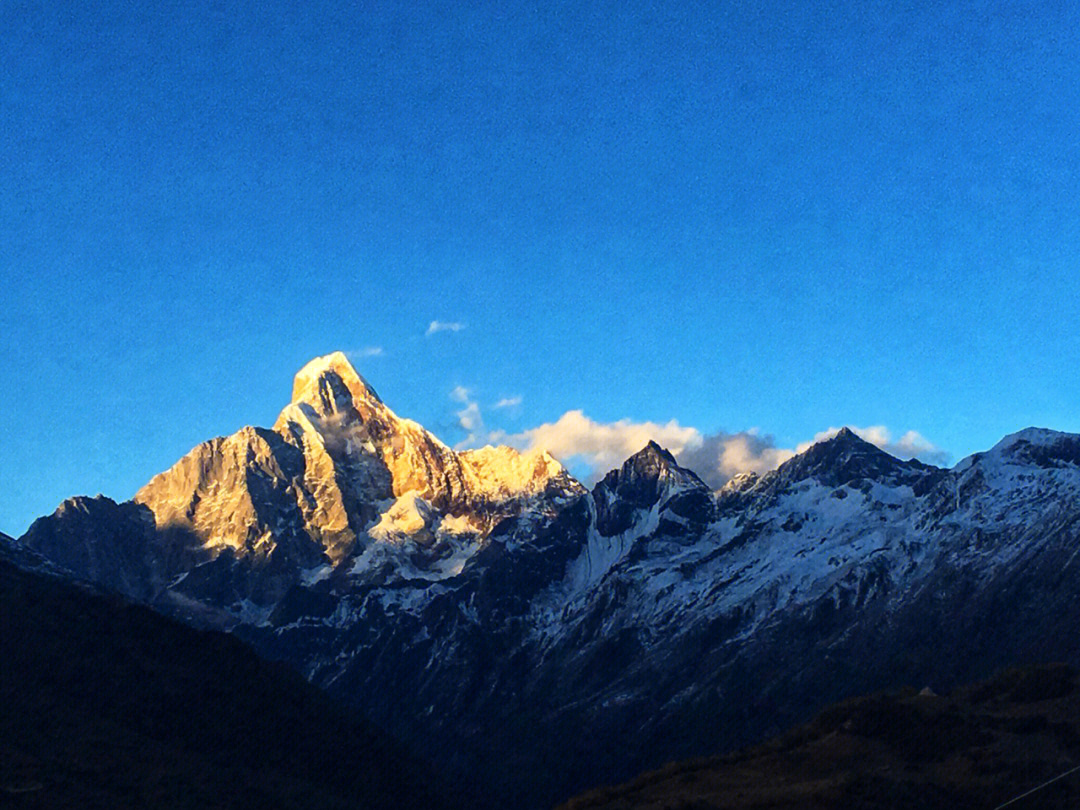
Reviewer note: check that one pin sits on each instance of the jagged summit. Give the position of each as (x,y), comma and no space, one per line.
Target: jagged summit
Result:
(652,450)
(338,475)
(651,462)
(651,468)
(443,592)
(845,458)
(320,370)
(329,388)
(651,477)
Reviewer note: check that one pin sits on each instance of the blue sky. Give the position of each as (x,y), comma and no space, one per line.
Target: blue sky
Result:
(779,215)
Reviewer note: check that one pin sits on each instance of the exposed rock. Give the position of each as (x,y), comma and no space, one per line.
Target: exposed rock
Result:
(101,541)
(649,478)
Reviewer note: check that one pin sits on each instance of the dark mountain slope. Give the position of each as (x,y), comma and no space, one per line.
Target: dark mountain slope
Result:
(107,704)
(976,748)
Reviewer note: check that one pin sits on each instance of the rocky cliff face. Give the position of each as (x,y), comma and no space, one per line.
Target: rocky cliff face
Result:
(540,638)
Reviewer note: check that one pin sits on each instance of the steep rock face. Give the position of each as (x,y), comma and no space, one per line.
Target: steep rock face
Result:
(808,592)
(666,635)
(649,479)
(111,544)
(23,558)
(336,415)
(241,492)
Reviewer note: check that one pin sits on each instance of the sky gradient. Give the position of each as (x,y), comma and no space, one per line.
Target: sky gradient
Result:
(778,215)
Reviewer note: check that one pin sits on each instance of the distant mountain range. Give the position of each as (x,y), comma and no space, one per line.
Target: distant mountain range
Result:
(536,639)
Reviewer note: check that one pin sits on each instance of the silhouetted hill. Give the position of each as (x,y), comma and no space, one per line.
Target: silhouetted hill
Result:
(106,704)
(977,748)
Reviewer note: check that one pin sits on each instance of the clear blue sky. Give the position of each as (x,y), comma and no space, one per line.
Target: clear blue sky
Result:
(786,215)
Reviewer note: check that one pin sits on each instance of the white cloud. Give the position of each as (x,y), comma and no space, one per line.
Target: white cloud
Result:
(911,444)
(443,326)
(574,437)
(600,446)
(597,447)
(471,420)
(367,351)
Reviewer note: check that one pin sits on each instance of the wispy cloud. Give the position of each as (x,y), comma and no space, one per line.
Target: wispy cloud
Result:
(367,351)
(443,326)
(470,419)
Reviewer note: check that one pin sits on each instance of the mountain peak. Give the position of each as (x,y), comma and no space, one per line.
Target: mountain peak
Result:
(655,452)
(319,368)
(647,472)
(845,440)
(845,457)
(652,462)
(1031,436)
(331,384)
(651,476)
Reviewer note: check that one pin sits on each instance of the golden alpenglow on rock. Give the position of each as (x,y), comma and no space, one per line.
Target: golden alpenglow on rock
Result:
(338,471)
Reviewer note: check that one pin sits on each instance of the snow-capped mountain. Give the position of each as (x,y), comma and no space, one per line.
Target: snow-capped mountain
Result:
(539,638)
